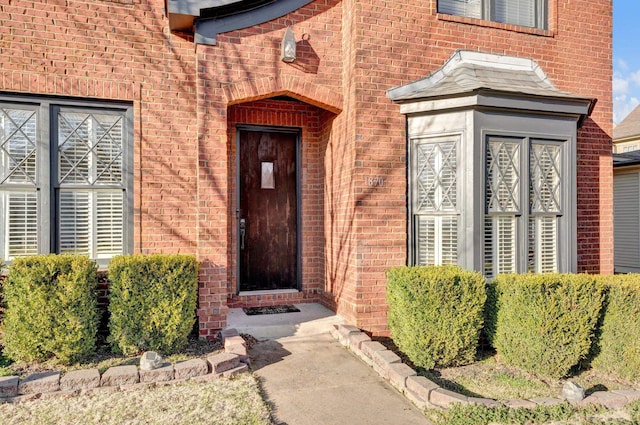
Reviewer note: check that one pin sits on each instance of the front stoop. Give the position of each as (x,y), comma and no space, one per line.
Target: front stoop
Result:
(128,378)
(427,394)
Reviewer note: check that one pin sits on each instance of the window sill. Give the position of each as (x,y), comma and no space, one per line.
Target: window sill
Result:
(492,24)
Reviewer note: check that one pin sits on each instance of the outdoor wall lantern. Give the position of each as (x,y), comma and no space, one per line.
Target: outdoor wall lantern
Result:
(288,46)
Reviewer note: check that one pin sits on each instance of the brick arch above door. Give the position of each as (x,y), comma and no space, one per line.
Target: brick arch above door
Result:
(319,95)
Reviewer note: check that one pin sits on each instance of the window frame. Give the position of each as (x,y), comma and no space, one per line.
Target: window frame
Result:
(46,108)
(488,13)
(566,214)
(413,188)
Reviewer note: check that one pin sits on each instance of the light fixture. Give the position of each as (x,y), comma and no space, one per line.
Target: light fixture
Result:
(288,46)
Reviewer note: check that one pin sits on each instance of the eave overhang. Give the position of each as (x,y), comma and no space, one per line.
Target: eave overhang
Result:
(208,18)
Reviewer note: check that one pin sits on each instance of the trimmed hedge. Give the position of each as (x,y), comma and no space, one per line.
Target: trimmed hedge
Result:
(619,343)
(435,313)
(51,308)
(546,323)
(152,302)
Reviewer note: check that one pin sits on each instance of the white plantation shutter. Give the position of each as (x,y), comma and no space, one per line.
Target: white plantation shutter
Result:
(20,227)
(435,202)
(499,245)
(543,244)
(74,230)
(109,224)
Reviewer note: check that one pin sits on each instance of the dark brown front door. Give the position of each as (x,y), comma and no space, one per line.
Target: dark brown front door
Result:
(267,225)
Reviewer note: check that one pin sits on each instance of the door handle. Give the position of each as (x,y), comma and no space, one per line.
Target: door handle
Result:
(243,231)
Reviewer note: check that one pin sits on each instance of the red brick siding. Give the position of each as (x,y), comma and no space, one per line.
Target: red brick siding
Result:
(188,98)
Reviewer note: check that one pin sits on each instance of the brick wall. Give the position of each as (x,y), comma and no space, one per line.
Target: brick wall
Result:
(187,100)
(396,45)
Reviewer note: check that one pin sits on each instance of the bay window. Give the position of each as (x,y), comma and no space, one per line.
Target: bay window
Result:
(66,178)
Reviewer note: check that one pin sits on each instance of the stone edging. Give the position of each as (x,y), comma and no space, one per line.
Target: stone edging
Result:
(46,385)
(425,393)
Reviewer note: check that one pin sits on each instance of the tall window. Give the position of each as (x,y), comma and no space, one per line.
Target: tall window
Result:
(64,186)
(527,13)
(18,181)
(523,197)
(435,205)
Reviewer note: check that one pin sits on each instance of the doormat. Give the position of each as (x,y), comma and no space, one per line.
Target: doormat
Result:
(274,309)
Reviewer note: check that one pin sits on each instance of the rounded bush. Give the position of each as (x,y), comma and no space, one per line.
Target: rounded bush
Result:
(435,313)
(618,349)
(51,308)
(546,323)
(152,302)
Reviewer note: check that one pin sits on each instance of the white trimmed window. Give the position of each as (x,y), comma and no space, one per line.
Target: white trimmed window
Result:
(526,13)
(65,180)
(435,204)
(518,213)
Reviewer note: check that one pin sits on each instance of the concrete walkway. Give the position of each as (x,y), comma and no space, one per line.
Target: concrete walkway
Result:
(309,378)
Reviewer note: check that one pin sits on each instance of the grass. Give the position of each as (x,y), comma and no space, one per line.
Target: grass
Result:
(562,414)
(227,402)
(489,378)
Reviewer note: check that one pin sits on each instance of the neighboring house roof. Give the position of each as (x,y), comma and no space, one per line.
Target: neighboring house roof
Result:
(471,72)
(626,159)
(628,127)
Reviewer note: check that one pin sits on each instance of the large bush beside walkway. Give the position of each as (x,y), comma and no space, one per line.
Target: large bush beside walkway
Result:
(152,302)
(436,313)
(51,308)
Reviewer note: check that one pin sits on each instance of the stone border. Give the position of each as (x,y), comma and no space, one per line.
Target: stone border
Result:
(231,361)
(425,393)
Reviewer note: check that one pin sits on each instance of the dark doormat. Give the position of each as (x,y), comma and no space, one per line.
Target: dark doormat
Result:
(274,309)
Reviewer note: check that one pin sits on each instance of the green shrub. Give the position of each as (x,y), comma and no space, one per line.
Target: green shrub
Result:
(546,323)
(51,308)
(619,343)
(152,302)
(435,313)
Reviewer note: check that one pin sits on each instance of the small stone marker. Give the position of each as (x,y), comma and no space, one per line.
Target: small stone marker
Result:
(572,391)
(150,360)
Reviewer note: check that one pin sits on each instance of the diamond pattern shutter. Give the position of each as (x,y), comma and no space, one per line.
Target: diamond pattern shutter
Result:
(18,183)
(503,175)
